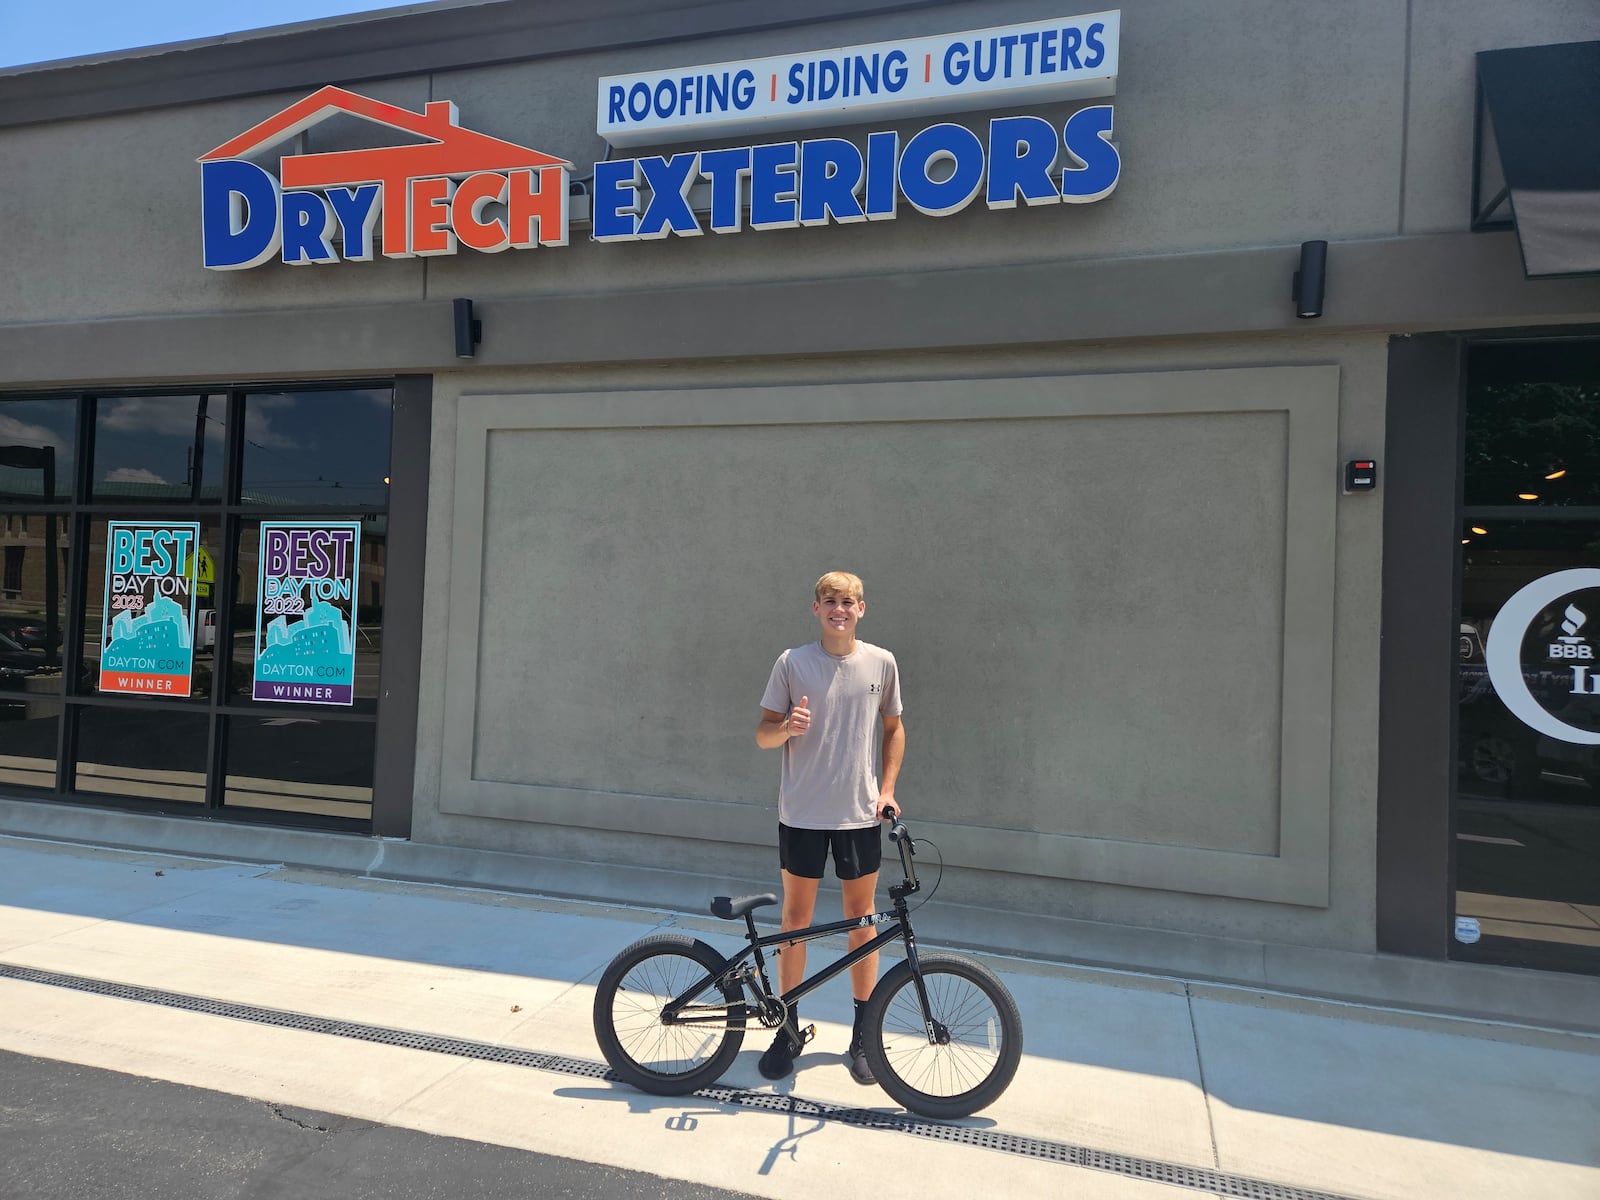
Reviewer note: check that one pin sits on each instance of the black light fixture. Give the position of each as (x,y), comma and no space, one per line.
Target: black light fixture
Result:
(469,330)
(1309,279)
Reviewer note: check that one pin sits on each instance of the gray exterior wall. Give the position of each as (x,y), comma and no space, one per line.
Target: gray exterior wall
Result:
(1085,457)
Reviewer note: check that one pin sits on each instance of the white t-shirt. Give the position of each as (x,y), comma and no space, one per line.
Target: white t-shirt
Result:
(830,772)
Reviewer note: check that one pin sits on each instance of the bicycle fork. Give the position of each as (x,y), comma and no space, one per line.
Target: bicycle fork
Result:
(938,1031)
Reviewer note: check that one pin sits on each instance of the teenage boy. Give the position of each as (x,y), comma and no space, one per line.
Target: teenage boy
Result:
(823,703)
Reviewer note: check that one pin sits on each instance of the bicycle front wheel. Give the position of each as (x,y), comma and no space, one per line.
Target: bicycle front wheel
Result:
(645,1051)
(977,1043)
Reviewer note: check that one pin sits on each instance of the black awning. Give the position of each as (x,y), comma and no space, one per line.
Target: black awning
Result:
(1543,103)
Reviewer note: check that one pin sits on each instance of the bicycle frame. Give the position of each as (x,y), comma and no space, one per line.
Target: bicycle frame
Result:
(683,1011)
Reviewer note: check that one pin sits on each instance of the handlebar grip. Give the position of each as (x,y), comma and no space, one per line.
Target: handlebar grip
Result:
(891,813)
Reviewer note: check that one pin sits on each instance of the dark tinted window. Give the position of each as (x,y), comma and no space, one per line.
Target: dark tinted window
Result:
(1533,424)
(154,449)
(36,441)
(317,447)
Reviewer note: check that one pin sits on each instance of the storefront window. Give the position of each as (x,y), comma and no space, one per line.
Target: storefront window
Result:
(304,448)
(1527,812)
(300,766)
(152,753)
(37,442)
(159,449)
(196,620)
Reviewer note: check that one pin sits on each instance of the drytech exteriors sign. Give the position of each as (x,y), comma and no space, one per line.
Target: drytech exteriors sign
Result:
(450,186)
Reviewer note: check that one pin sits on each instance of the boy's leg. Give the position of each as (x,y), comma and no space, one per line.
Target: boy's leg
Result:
(860,900)
(799,903)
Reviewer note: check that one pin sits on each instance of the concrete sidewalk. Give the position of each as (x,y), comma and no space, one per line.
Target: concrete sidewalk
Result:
(1151,1079)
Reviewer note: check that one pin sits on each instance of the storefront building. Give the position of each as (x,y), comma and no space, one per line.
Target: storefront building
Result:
(419,434)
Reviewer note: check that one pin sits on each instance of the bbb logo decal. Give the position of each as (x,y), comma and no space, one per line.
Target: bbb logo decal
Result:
(1503,652)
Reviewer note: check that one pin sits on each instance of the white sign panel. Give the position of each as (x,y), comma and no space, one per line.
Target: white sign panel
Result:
(1039,61)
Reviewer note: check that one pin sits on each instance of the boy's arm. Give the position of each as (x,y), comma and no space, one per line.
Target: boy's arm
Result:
(775,729)
(894,751)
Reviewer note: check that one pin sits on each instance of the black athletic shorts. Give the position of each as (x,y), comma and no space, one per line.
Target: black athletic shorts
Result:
(804,852)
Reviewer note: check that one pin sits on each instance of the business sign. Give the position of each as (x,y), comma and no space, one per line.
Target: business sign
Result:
(1545,624)
(147,623)
(424,199)
(306,586)
(457,188)
(1036,62)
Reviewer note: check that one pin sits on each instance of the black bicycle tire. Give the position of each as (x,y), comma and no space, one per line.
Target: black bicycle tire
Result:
(627,1068)
(987,1090)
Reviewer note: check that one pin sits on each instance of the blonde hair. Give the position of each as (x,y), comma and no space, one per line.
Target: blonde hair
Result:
(842,582)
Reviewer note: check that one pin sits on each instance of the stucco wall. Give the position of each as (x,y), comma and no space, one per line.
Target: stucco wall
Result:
(1089,609)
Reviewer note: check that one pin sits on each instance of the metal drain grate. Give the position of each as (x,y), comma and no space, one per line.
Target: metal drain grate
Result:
(1196,1178)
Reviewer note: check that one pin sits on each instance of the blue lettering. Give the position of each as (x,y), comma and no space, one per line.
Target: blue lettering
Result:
(639,101)
(239,225)
(307,229)
(828,79)
(978,71)
(895,71)
(744,90)
(1021,152)
(1096,45)
(686,89)
(772,186)
(727,170)
(616,200)
(669,180)
(1028,41)
(1047,51)
(883,150)
(797,84)
(955,63)
(663,99)
(717,92)
(1008,43)
(955,144)
(357,210)
(1071,39)
(1087,136)
(830,177)
(614,112)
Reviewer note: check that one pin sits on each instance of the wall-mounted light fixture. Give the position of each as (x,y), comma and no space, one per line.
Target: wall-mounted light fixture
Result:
(469,330)
(1310,278)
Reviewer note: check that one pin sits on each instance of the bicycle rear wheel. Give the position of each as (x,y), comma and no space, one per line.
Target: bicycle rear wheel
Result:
(668,1060)
(979,1036)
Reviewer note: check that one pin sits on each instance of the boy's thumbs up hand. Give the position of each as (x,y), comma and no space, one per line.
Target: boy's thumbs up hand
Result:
(799,719)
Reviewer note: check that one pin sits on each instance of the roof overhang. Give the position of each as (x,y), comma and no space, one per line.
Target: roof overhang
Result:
(1537,155)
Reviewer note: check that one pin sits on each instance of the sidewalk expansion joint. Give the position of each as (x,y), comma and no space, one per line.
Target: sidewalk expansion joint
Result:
(1201,1179)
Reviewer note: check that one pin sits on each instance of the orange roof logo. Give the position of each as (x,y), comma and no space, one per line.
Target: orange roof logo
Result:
(451,187)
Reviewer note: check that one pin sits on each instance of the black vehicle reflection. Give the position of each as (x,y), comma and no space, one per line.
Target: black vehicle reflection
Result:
(1499,756)
(27,682)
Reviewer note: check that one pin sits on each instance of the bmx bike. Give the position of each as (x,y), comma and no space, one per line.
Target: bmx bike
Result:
(941,1032)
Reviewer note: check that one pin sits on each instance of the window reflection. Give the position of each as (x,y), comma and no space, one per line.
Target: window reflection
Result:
(317,447)
(156,753)
(34,550)
(36,448)
(1533,425)
(300,766)
(154,449)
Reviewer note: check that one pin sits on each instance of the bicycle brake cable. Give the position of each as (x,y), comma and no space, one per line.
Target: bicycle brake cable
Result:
(937,879)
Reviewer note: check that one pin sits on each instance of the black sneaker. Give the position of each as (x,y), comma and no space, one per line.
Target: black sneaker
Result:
(778,1061)
(860,1068)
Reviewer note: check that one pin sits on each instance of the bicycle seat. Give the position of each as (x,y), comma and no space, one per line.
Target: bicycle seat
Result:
(729,907)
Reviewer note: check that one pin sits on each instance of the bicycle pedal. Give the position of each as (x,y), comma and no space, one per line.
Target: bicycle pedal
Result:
(806,1034)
